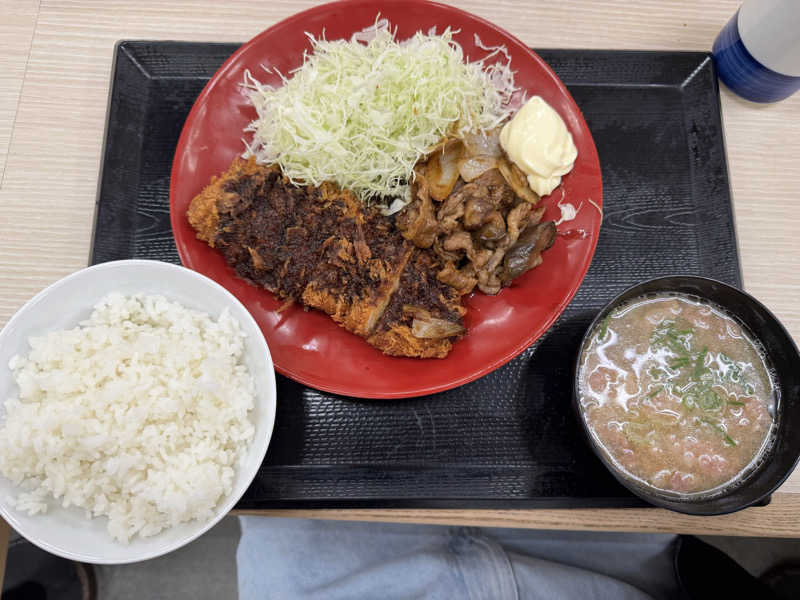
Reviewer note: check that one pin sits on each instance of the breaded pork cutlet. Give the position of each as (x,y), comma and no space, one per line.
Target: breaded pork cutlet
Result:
(424,315)
(322,247)
(358,267)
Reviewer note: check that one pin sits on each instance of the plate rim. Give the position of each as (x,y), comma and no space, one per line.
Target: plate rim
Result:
(319,382)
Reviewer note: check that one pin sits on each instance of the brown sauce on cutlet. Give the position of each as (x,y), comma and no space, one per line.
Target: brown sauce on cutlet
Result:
(420,287)
(340,266)
(256,222)
(381,236)
(324,248)
(284,225)
(289,229)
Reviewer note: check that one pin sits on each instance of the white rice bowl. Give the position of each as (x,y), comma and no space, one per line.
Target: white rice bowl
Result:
(152,417)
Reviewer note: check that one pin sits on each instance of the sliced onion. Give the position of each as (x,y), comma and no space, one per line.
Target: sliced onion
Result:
(472,168)
(442,169)
(518,182)
(426,326)
(483,144)
(434,328)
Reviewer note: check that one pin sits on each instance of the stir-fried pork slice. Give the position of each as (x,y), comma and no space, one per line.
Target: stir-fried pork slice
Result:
(417,222)
(463,279)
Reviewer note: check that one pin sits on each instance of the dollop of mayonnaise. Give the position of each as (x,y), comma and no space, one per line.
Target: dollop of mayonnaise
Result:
(538,142)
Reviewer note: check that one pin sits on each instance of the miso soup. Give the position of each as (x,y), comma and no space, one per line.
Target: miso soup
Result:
(677,393)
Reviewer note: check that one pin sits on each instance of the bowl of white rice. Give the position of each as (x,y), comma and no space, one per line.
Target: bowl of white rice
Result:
(137,402)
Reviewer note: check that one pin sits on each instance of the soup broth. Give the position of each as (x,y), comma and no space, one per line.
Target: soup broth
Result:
(677,393)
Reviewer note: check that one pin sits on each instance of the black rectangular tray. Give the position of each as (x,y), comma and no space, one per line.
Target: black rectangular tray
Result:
(510,439)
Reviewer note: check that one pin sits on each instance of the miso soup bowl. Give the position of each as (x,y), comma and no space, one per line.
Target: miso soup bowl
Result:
(781,456)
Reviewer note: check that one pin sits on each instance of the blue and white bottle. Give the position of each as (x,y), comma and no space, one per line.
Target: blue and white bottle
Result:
(757,54)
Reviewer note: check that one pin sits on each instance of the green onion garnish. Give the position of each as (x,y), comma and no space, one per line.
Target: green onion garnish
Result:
(728,439)
(603,329)
(699,364)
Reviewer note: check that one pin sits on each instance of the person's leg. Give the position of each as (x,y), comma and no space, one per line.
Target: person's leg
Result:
(297,558)
(645,561)
(539,579)
(279,558)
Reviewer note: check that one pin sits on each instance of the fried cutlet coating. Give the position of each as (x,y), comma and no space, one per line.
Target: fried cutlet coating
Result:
(322,247)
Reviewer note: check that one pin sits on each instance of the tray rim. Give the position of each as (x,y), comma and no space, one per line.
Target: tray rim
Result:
(125,48)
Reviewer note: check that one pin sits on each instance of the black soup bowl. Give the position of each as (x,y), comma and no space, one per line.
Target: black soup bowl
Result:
(782,454)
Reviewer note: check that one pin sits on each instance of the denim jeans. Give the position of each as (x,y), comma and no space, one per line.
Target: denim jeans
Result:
(296,558)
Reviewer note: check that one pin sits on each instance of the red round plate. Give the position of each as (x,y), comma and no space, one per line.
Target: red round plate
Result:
(308,346)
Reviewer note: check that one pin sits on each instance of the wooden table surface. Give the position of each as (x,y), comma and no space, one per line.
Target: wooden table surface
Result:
(55,61)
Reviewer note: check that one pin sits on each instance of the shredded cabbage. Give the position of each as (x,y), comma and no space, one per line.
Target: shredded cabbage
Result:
(363,112)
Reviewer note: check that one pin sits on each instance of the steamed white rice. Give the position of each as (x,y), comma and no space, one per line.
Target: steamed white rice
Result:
(139,414)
